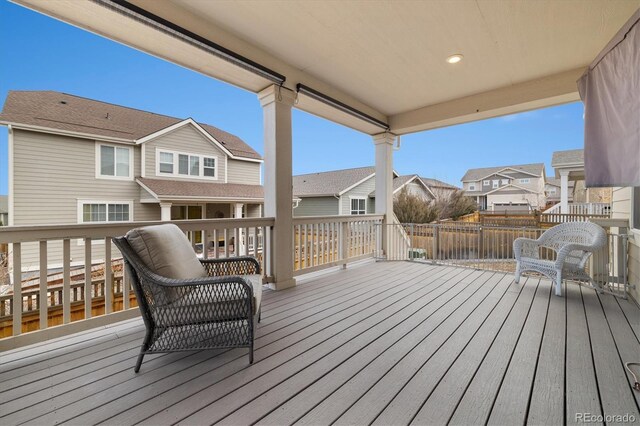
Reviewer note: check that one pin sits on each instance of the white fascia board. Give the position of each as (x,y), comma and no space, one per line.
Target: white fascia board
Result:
(146,188)
(356,184)
(207,135)
(517,171)
(511,186)
(82,135)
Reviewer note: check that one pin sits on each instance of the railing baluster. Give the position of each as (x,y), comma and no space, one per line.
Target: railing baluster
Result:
(205,244)
(17,289)
(226,242)
(126,288)
(87,278)
(108,277)
(43,299)
(66,281)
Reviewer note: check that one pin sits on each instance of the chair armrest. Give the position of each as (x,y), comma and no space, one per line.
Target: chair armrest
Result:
(241,265)
(566,250)
(526,247)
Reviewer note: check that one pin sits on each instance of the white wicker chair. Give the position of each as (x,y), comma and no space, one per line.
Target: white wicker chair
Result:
(573,243)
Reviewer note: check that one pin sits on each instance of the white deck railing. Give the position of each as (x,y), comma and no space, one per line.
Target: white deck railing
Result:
(326,241)
(582,208)
(102,294)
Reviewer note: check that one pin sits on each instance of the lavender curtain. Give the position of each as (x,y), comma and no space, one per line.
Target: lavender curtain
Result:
(610,90)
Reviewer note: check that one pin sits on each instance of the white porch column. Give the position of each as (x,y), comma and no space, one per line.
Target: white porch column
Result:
(564,191)
(165,212)
(384,182)
(278,191)
(238,215)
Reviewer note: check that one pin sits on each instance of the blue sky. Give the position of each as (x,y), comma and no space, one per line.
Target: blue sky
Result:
(40,53)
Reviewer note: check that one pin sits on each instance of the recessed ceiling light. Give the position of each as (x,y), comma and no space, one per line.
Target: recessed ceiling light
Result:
(454,59)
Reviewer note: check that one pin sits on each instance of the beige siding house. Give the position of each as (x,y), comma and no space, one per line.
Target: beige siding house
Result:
(508,188)
(350,191)
(120,164)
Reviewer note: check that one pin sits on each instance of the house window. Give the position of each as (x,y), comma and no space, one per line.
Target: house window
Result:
(472,187)
(358,206)
(180,164)
(524,180)
(114,162)
(166,162)
(496,183)
(96,212)
(552,190)
(505,181)
(209,165)
(486,183)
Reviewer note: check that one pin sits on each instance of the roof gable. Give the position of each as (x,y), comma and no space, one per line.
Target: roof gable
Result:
(61,112)
(472,175)
(511,186)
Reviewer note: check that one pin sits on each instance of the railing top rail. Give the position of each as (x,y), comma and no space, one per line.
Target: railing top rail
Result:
(19,234)
(302,220)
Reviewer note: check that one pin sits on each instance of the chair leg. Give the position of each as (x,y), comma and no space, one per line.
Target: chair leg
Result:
(517,278)
(139,361)
(143,349)
(559,285)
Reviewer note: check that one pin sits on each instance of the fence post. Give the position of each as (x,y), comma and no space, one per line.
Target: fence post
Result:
(436,243)
(344,243)
(480,243)
(411,244)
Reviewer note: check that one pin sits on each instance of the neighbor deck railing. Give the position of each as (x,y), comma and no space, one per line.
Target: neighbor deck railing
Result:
(95,294)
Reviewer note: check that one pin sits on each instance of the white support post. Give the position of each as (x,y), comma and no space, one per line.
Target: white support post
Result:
(384,183)
(564,191)
(278,192)
(238,215)
(165,212)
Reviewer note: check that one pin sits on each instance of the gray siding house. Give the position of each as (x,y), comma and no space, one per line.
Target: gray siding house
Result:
(119,164)
(507,188)
(347,192)
(4,210)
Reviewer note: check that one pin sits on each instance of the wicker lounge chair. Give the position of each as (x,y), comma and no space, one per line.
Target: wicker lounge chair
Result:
(187,303)
(573,243)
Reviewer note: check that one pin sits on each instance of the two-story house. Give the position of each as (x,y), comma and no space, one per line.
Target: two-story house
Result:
(74,160)
(347,191)
(507,188)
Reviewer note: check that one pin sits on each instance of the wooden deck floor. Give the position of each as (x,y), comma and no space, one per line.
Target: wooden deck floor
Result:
(386,343)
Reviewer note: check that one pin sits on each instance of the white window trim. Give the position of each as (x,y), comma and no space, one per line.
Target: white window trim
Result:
(472,187)
(177,175)
(524,180)
(486,183)
(505,181)
(495,184)
(83,202)
(99,175)
(357,198)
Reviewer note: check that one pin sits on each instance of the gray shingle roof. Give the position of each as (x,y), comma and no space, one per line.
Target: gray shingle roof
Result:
(166,188)
(477,174)
(556,182)
(329,183)
(435,183)
(61,111)
(570,157)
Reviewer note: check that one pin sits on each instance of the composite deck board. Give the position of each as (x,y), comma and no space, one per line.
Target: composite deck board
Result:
(616,394)
(390,342)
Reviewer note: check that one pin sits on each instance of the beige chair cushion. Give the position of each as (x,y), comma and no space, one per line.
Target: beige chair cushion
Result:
(166,251)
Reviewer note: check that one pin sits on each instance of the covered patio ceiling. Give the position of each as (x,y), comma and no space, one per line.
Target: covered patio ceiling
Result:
(386,59)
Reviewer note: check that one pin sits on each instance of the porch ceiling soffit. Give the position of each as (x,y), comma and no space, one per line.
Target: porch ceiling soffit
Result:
(408,85)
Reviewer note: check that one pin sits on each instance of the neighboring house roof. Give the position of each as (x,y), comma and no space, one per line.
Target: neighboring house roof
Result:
(472,175)
(330,183)
(166,189)
(573,157)
(435,183)
(69,113)
(4,204)
(556,182)
(400,181)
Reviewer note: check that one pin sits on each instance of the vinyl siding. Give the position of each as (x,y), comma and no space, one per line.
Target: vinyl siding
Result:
(51,173)
(253,210)
(362,190)
(417,190)
(244,172)
(316,206)
(188,140)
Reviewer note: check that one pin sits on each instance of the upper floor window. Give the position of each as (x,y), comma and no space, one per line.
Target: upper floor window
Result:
(97,212)
(505,181)
(552,190)
(486,183)
(114,162)
(186,165)
(358,206)
(496,183)
(526,180)
(472,187)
